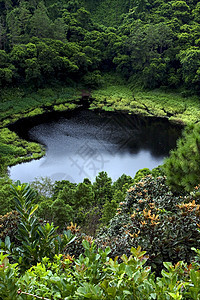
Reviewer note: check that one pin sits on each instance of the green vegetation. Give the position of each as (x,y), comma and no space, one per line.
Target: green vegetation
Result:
(151,45)
(182,167)
(152,217)
(21,103)
(15,150)
(157,102)
(142,57)
(38,263)
(85,203)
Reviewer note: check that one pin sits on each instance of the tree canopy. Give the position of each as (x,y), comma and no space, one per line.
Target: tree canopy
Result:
(158,41)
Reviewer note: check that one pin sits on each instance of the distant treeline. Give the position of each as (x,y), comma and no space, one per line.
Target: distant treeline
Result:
(155,41)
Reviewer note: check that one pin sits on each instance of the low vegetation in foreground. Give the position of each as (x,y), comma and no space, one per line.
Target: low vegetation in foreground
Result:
(39,260)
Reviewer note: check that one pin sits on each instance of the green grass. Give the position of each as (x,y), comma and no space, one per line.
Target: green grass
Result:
(158,103)
(16,103)
(16,150)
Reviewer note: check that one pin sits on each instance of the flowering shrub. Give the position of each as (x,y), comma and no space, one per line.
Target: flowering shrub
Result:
(164,225)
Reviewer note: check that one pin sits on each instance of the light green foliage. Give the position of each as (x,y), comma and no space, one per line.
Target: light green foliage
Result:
(15,150)
(2,164)
(12,149)
(8,279)
(141,174)
(157,102)
(64,107)
(190,65)
(93,275)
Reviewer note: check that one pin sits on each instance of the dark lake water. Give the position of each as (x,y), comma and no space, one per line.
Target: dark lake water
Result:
(82,143)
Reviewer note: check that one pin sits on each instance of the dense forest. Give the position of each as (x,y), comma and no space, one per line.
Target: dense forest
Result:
(137,237)
(156,42)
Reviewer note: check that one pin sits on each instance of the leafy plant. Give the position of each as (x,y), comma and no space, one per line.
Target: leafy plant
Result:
(8,278)
(35,240)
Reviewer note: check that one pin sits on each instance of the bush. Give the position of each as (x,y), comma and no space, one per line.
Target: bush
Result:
(9,225)
(163,225)
(93,275)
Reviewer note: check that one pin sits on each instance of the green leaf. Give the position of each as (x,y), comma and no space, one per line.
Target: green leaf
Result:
(33,209)
(86,244)
(193,276)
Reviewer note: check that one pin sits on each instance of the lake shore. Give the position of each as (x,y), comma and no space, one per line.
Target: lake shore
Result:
(154,104)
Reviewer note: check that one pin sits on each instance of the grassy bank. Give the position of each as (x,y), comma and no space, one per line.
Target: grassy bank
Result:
(158,103)
(18,103)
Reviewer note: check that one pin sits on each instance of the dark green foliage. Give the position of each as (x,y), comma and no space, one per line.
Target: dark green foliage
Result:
(62,213)
(102,188)
(9,225)
(89,205)
(182,167)
(157,41)
(2,163)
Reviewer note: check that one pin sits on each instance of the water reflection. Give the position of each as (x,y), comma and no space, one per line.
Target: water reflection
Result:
(83,143)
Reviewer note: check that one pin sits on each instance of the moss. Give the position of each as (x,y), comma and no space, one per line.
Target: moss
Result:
(35,112)
(16,150)
(64,106)
(18,103)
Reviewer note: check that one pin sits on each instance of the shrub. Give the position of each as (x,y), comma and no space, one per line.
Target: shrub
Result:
(35,240)
(93,275)
(9,225)
(163,225)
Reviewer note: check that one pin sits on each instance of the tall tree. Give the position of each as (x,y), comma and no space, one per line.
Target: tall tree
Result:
(41,25)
